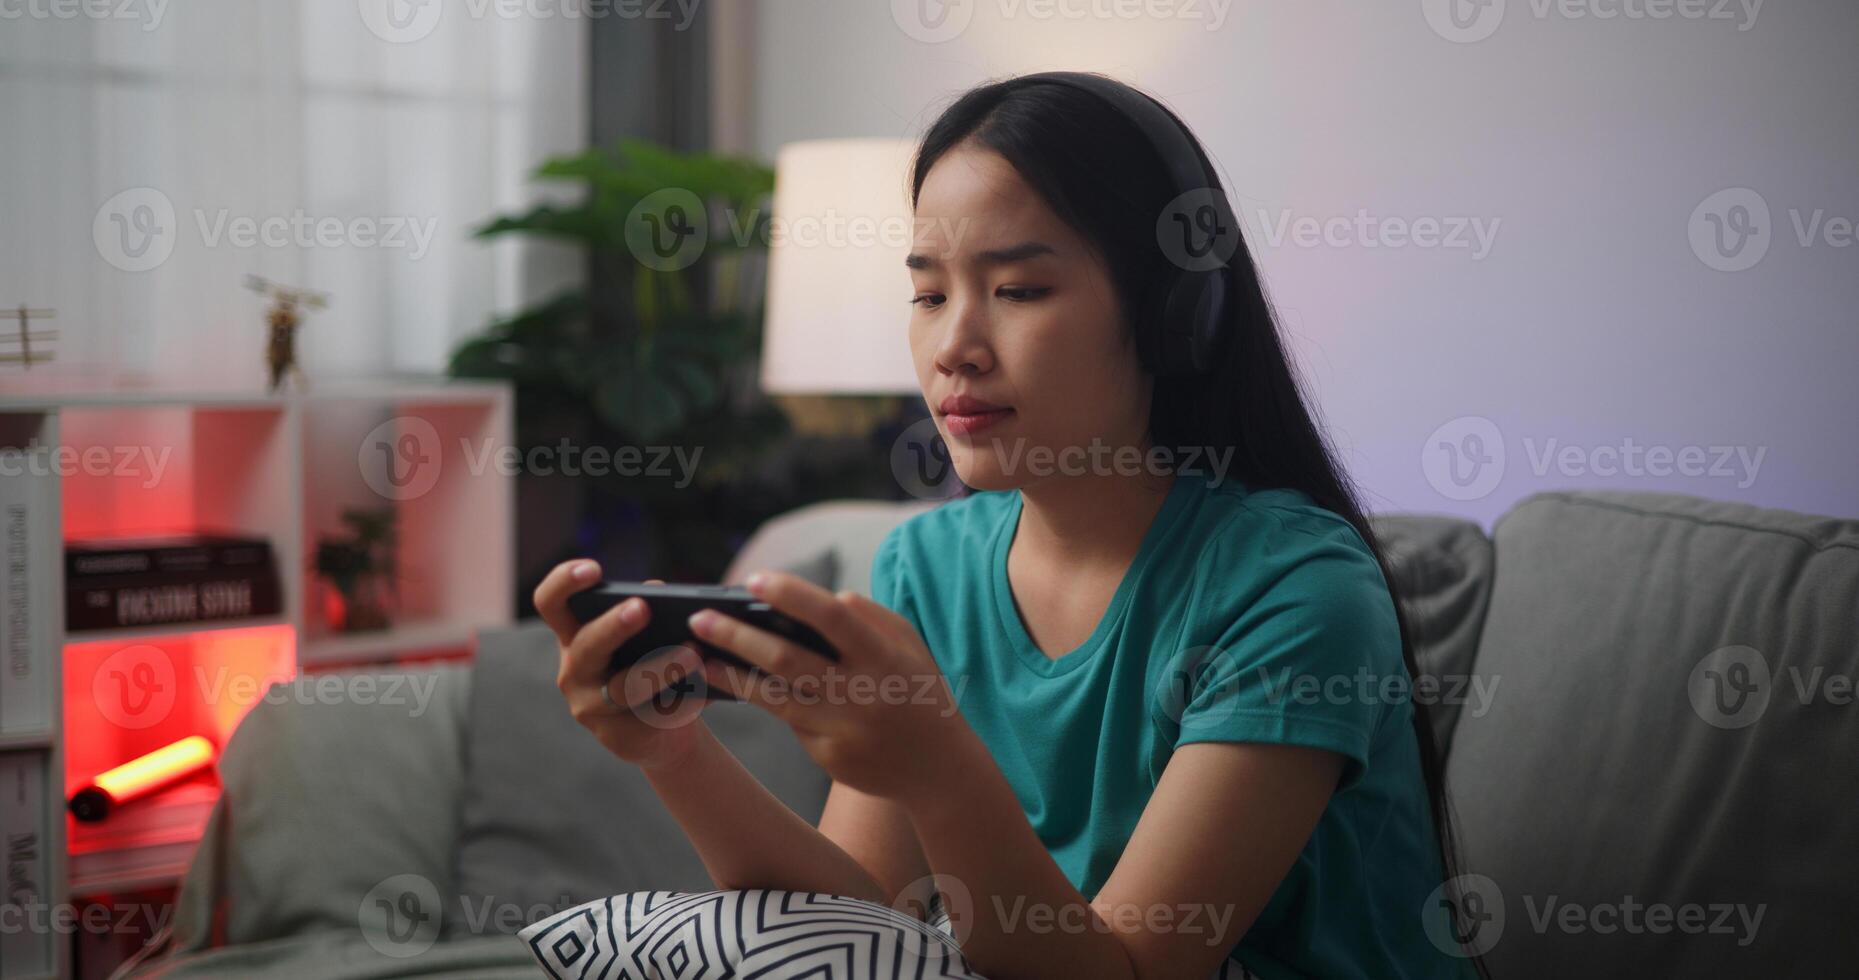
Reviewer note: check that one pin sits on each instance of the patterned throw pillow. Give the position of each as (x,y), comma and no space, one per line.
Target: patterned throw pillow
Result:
(754,932)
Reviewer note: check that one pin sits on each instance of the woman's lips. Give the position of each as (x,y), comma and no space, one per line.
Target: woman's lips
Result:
(973,423)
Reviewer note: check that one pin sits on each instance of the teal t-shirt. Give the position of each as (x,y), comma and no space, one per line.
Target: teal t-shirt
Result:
(1246,616)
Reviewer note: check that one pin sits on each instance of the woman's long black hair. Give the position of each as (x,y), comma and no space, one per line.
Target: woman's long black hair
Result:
(1103,177)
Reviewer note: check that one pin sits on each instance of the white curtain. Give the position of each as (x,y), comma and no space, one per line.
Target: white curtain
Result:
(152,154)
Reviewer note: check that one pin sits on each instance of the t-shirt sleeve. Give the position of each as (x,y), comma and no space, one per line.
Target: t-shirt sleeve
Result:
(1311,657)
(886,582)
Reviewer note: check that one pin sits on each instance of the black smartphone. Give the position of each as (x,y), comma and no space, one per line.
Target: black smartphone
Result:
(669,625)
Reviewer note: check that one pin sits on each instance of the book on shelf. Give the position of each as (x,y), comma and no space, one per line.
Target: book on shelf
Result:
(150,839)
(172,580)
(164,554)
(25,950)
(28,544)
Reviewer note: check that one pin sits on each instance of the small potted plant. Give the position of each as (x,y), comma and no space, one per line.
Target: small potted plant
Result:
(359,569)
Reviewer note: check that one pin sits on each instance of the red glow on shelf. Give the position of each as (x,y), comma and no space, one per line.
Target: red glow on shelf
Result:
(127,697)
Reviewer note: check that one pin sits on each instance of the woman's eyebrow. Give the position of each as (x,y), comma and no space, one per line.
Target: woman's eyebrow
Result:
(993,256)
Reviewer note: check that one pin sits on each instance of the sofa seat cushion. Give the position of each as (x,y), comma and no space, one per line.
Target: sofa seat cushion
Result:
(1664,784)
(354,956)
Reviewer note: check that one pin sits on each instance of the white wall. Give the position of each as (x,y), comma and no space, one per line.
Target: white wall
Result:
(1586,142)
(234,110)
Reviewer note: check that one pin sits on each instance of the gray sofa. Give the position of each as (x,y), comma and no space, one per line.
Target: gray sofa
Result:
(1647,703)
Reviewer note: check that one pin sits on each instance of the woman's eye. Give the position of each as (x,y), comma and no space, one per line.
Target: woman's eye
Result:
(927,299)
(1020,294)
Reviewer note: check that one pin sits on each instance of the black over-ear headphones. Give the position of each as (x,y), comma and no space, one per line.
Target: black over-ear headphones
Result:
(1182,322)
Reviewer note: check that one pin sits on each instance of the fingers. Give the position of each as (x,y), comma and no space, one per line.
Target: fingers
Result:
(637,687)
(749,689)
(827,613)
(773,654)
(586,655)
(552,594)
(880,617)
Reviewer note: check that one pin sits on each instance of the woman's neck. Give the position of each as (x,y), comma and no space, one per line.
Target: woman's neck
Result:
(1088,521)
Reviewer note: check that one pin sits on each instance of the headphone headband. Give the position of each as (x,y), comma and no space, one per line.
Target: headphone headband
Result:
(1164,133)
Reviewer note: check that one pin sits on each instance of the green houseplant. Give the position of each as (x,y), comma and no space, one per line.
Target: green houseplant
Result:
(360,566)
(658,349)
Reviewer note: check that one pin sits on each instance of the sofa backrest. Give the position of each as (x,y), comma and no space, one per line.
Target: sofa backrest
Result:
(1442,572)
(1664,784)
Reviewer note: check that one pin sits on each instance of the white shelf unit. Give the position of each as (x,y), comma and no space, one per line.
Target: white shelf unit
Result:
(280,466)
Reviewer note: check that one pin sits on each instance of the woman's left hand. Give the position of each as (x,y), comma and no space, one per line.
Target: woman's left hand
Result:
(881,720)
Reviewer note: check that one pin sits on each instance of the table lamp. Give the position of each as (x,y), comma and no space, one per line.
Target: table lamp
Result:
(838,311)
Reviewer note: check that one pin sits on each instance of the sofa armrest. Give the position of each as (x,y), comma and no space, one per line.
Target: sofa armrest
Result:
(849,530)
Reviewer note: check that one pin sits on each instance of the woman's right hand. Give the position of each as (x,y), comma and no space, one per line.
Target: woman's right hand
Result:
(642,734)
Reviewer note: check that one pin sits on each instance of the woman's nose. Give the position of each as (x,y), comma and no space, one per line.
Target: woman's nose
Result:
(964,343)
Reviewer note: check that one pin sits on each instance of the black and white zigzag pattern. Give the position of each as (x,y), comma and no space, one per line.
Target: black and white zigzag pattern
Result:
(746,934)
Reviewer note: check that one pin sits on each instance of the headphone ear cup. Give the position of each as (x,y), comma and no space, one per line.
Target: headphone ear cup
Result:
(1190,322)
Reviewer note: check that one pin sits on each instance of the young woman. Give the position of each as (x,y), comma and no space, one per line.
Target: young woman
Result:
(1166,723)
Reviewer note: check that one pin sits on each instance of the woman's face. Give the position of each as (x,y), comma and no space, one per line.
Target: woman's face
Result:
(1013,310)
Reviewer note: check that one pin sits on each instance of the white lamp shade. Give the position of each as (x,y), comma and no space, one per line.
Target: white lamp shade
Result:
(838,311)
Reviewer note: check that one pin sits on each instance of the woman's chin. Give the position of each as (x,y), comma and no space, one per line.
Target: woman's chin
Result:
(978,476)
